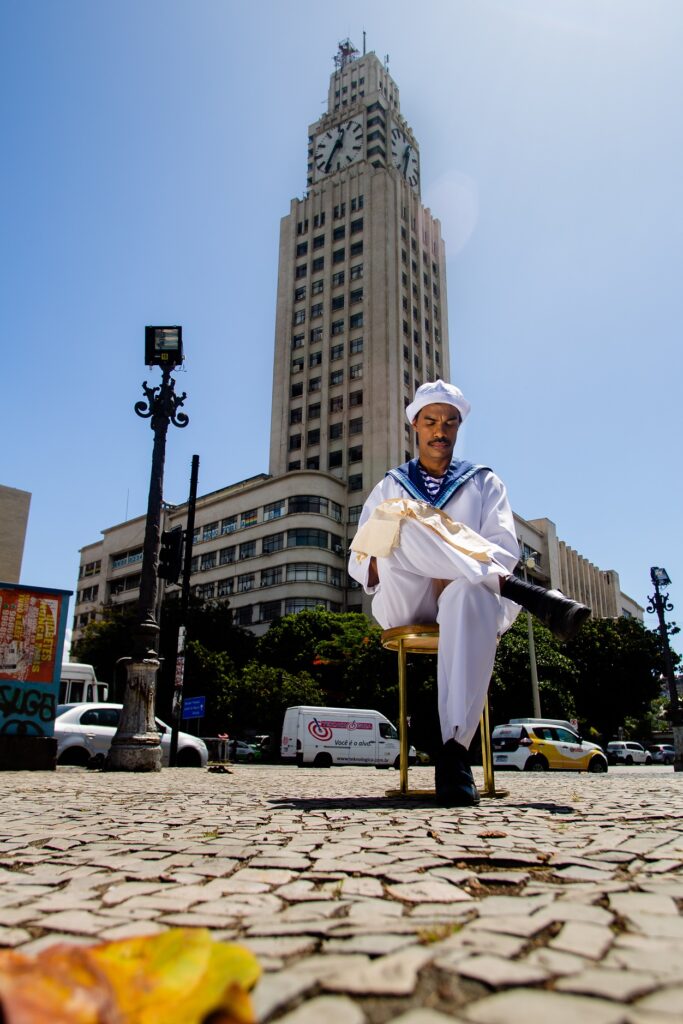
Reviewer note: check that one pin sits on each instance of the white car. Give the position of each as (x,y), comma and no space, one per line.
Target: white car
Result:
(84,732)
(627,752)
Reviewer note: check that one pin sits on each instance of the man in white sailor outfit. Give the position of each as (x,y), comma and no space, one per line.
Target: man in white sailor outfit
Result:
(436,542)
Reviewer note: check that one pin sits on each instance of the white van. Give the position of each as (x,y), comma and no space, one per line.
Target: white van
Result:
(79,685)
(325,736)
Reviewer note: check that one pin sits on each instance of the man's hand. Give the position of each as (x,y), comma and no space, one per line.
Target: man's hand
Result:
(373,575)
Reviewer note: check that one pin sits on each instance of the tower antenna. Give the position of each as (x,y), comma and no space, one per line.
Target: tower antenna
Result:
(363,42)
(346,52)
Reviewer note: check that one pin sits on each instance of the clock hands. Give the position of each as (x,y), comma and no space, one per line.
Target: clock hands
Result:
(406,158)
(338,143)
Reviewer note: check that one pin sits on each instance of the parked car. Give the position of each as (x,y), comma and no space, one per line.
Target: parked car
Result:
(628,752)
(536,745)
(84,733)
(241,751)
(662,753)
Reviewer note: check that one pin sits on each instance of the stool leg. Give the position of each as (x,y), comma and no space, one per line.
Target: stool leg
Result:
(486,756)
(403,718)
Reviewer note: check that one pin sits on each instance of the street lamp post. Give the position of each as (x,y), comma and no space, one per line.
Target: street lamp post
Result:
(659,603)
(136,747)
(529,563)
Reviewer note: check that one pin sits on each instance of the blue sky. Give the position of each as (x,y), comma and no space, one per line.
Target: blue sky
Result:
(151,148)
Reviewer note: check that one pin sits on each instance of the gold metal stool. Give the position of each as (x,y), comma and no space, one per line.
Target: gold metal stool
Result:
(423,638)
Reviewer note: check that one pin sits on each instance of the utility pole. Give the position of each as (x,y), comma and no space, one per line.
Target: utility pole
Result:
(179,675)
(660,603)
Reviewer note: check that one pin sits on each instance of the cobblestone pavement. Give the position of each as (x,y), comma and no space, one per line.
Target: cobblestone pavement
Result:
(560,901)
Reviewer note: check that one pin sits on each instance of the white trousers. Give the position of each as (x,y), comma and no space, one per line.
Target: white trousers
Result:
(426,580)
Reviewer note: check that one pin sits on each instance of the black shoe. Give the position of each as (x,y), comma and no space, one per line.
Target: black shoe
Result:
(560,614)
(453,777)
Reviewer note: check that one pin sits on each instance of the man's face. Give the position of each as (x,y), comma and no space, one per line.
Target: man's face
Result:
(436,427)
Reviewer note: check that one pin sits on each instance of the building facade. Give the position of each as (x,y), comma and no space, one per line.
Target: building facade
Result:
(14,509)
(361,322)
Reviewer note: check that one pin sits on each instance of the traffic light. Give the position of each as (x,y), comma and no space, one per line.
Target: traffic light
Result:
(171,555)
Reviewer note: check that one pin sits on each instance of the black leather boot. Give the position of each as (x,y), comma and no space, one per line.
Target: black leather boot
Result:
(560,614)
(453,777)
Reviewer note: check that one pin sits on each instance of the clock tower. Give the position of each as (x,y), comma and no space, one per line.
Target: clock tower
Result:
(361,315)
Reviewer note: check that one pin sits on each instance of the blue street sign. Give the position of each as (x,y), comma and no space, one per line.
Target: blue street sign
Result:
(194,707)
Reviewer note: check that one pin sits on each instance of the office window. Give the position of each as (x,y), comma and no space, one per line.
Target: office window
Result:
(300,293)
(356,296)
(336,430)
(208,561)
(296,464)
(270,609)
(334,460)
(302,604)
(354,513)
(210,531)
(317,287)
(356,398)
(294,442)
(356,482)
(336,377)
(273,510)
(296,390)
(315,384)
(358,202)
(317,264)
(247,549)
(297,340)
(338,232)
(249,518)
(315,359)
(298,365)
(356,346)
(205,591)
(226,556)
(356,225)
(356,371)
(229,525)
(306,572)
(338,327)
(302,248)
(313,462)
(245,582)
(273,542)
(356,249)
(243,616)
(406,378)
(355,321)
(319,219)
(295,415)
(313,437)
(355,454)
(301,271)
(337,302)
(318,241)
(316,334)
(305,537)
(338,256)
(316,310)
(356,425)
(299,316)
(224,587)
(314,411)
(336,352)
(338,278)
(356,271)
(271,577)
(340,211)
(337,403)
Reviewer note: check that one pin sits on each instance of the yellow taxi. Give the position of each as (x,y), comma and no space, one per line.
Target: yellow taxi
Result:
(540,744)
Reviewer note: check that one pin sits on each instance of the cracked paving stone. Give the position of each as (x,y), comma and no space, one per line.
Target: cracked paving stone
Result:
(13,936)
(631,904)
(518,905)
(497,972)
(132,930)
(81,922)
(622,986)
(331,1009)
(428,892)
(587,913)
(667,1000)
(427,1016)
(282,946)
(658,926)
(371,945)
(558,964)
(391,975)
(534,1004)
(584,939)
(274,991)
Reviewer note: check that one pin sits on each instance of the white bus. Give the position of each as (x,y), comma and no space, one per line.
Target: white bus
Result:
(79,685)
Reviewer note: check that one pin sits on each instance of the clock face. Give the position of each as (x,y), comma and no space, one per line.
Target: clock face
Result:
(338,147)
(405,156)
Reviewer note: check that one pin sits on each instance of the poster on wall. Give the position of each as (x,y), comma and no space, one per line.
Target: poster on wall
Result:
(32,630)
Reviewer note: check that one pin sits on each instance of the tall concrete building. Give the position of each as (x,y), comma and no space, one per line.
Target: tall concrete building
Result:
(361,321)
(14,508)
(361,304)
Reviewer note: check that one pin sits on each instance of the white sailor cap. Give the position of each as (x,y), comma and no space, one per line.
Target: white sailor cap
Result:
(438,391)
